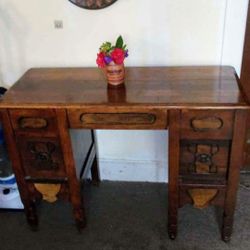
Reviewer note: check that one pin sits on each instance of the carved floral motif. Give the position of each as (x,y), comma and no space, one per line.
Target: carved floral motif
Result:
(43,154)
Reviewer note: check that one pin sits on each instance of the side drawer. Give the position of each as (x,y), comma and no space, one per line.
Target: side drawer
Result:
(118,118)
(33,120)
(207,124)
(204,158)
(42,158)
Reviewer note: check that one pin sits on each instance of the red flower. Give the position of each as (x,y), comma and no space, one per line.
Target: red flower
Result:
(100,60)
(118,56)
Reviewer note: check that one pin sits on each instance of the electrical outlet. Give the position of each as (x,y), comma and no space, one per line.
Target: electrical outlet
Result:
(58,24)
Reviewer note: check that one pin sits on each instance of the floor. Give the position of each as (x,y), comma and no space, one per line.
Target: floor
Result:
(126,216)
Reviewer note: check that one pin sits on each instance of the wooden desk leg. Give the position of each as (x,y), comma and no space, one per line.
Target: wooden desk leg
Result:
(173,189)
(28,203)
(236,161)
(94,168)
(74,184)
(31,215)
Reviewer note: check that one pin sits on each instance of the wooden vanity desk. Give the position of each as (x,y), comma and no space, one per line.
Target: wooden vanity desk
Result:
(203,108)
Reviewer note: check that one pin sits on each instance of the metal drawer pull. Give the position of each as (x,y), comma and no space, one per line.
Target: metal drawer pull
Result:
(32,123)
(123,118)
(206,123)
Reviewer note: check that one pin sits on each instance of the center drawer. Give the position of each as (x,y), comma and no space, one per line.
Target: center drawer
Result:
(118,118)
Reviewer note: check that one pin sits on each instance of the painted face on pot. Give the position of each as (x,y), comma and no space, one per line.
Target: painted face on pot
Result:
(93,4)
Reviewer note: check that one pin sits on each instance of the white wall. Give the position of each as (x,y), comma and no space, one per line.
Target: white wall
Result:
(234,30)
(161,32)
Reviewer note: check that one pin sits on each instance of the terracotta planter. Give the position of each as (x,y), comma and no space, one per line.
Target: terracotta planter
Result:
(115,75)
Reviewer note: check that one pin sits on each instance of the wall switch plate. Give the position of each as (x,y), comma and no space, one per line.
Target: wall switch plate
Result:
(58,24)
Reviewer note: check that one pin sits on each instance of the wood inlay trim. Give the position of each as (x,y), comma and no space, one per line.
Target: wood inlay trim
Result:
(118,118)
(32,123)
(205,124)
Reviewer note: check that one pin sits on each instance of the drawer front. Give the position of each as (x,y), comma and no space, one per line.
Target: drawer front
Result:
(118,119)
(41,157)
(204,158)
(34,120)
(207,124)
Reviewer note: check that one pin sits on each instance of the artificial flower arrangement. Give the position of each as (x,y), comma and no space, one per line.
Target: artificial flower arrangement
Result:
(111,60)
(109,54)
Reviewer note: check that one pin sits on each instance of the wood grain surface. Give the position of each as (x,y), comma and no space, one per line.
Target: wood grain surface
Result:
(211,86)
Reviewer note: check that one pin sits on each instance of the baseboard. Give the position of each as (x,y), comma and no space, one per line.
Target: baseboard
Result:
(133,170)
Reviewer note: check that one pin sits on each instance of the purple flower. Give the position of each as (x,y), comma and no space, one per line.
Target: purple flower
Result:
(126,53)
(108,59)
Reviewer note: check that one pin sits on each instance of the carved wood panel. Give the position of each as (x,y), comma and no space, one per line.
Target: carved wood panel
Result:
(41,157)
(185,197)
(204,158)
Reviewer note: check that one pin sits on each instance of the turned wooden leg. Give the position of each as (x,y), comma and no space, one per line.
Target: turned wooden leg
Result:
(77,201)
(173,188)
(80,218)
(29,204)
(227,227)
(236,161)
(172,225)
(31,216)
(76,198)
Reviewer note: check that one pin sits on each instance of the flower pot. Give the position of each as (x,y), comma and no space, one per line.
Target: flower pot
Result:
(115,75)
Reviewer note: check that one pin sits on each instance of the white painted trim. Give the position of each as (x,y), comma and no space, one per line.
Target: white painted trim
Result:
(133,170)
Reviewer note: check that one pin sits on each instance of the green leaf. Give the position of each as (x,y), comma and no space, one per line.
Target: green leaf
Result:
(106,47)
(119,42)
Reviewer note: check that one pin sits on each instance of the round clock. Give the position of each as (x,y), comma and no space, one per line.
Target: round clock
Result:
(93,4)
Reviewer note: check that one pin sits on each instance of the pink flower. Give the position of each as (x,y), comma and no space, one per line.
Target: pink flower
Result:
(100,60)
(118,56)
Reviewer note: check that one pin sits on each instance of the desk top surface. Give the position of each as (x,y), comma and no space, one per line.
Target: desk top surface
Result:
(212,86)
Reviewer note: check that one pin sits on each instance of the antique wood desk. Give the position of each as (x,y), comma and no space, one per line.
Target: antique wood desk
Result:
(203,108)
